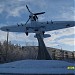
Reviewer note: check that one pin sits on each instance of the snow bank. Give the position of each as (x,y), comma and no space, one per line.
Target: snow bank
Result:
(37,67)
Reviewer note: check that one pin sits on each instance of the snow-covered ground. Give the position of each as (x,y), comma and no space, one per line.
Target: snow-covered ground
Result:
(37,67)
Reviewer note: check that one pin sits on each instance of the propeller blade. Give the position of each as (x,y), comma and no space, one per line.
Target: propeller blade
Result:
(39,13)
(27,20)
(28,9)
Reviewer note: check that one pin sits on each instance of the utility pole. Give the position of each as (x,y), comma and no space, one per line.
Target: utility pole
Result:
(7,44)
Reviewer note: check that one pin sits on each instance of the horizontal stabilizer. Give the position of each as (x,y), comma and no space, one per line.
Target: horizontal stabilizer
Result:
(44,36)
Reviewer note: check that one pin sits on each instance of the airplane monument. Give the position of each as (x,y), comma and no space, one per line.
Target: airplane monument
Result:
(39,28)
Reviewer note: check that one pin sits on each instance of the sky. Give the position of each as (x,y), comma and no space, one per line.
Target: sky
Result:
(14,11)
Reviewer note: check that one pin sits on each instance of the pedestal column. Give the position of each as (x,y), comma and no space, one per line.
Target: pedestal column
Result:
(42,51)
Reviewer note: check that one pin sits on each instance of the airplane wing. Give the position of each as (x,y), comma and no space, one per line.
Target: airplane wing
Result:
(43,26)
(15,28)
(49,26)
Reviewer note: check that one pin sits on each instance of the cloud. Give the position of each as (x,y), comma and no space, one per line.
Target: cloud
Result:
(1,8)
(68,14)
(58,34)
(16,8)
(16,11)
(19,37)
(41,18)
(62,32)
(2,36)
(68,41)
(51,41)
(12,8)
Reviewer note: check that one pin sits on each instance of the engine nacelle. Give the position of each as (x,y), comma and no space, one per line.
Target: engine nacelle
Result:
(26,33)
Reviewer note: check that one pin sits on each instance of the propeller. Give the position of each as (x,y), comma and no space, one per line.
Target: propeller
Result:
(28,9)
(32,14)
(27,20)
(39,13)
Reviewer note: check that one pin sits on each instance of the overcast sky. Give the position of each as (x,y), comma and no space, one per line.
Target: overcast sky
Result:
(14,11)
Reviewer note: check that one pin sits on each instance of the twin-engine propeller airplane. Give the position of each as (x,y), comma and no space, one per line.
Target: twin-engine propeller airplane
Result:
(38,27)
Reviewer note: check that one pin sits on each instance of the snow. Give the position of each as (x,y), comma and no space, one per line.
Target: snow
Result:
(37,67)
